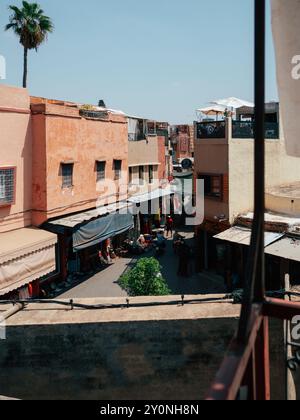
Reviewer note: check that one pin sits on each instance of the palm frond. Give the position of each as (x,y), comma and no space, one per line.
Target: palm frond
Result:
(30,24)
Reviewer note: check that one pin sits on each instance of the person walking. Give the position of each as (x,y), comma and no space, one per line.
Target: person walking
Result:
(169,226)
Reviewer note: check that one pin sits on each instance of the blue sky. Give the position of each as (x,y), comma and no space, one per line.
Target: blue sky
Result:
(160,59)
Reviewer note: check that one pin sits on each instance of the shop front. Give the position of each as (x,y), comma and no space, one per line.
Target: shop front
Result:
(87,237)
(282,253)
(151,209)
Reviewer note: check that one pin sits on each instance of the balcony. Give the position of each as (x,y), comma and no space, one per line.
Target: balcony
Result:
(162,133)
(245,130)
(240,130)
(139,136)
(211,130)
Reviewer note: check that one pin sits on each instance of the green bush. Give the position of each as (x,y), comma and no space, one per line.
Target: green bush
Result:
(145,279)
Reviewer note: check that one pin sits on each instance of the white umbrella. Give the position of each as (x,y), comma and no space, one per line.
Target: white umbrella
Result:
(233,103)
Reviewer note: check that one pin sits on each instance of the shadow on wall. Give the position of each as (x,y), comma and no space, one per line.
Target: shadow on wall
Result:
(117,361)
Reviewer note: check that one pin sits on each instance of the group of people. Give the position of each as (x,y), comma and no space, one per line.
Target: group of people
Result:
(184,252)
(181,248)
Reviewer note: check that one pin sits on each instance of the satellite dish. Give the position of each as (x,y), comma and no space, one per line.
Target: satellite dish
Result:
(187,164)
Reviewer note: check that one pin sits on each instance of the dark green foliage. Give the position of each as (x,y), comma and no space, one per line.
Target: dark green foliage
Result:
(145,279)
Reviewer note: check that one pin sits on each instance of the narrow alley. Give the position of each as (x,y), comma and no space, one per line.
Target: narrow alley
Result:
(105,283)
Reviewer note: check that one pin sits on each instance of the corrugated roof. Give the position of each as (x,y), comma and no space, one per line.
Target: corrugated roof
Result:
(240,235)
(160,192)
(288,248)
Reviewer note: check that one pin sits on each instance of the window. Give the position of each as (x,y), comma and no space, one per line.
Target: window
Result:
(141,175)
(67,175)
(7,186)
(213,185)
(151,170)
(100,167)
(117,169)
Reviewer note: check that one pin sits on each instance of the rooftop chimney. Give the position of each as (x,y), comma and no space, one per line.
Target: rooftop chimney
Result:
(101,103)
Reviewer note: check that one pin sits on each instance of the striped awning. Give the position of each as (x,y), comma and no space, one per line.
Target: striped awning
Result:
(25,255)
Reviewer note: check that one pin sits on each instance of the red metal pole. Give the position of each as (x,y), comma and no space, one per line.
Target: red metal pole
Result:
(262,363)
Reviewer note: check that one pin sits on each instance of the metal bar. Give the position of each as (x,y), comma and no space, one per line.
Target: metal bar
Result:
(255,271)
(262,362)
(249,380)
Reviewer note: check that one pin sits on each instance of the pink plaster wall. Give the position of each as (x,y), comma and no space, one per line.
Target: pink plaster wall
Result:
(16,151)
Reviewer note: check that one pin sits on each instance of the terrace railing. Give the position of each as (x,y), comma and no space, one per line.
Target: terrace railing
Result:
(240,130)
(246,130)
(211,130)
(162,133)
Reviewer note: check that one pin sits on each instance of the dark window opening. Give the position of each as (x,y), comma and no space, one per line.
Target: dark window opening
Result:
(117,169)
(151,174)
(7,186)
(67,175)
(101,166)
(130,175)
(141,175)
(212,185)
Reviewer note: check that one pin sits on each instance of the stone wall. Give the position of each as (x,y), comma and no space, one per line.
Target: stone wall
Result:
(138,353)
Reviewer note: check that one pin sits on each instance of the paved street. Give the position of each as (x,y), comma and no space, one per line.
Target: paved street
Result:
(105,283)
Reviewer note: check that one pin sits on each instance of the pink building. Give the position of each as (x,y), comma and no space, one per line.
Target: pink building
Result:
(64,171)
(74,152)
(182,139)
(79,180)
(26,253)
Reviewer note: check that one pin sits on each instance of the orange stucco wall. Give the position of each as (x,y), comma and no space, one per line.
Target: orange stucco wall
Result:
(61,135)
(16,151)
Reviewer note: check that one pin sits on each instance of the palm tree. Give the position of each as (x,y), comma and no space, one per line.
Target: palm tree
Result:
(31,26)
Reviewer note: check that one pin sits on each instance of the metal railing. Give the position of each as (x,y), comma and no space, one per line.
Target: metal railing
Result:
(245,372)
(162,133)
(151,132)
(211,130)
(96,115)
(246,130)
(137,136)
(240,130)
